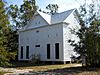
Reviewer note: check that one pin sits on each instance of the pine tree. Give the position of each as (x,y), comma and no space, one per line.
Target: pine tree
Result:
(3,29)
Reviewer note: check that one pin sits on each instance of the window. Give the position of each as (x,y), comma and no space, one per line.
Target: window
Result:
(37,31)
(21,52)
(27,52)
(57,50)
(37,45)
(48,51)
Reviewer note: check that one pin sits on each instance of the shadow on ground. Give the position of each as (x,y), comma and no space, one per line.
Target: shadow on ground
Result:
(76,71)
(62,71)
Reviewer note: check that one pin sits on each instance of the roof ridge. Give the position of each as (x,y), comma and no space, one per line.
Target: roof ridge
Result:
(57,17)
(68,10)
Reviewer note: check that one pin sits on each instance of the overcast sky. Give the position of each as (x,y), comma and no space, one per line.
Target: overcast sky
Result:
(63,4)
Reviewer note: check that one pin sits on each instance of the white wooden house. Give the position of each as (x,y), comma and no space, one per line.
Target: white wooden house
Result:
(47,35)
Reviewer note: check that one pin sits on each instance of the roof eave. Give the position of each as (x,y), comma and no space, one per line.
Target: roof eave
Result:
(22,30)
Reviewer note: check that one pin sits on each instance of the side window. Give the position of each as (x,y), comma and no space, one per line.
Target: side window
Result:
(57,50)
(48,51)
(37,45)
(21,52)
(27,52)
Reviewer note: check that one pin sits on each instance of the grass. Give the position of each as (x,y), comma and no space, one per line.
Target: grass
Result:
(3,72)
(58,69)
(68,69)
(46,67)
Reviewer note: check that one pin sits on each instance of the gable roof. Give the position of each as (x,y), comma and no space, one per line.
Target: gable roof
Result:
(56,18)
(45,16)
(60,17)
(52,19)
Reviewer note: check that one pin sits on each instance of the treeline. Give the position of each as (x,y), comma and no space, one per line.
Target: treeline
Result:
(12,18)
(88,47)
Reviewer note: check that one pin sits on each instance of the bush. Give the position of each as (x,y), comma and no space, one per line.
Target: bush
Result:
(35,59)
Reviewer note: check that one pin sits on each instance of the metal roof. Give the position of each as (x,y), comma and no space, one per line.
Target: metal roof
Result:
(57,17)
(51,19)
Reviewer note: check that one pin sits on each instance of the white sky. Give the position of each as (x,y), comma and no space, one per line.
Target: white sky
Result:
(63,4)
